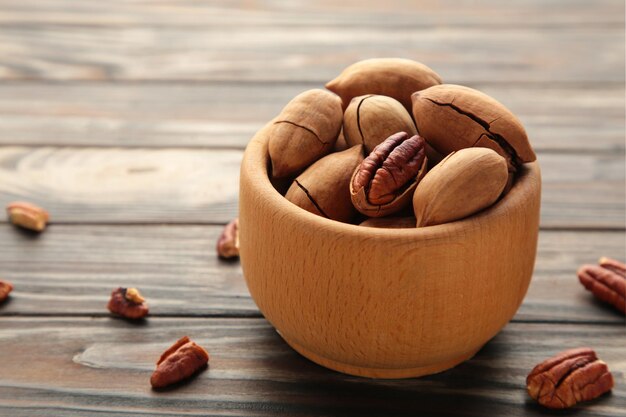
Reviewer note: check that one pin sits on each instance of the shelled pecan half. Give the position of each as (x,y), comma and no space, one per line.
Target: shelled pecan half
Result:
(228,242)
(606,281)
(5,288)
(183,359)
(572,376)
(128,302)
(28,216)
(384,182)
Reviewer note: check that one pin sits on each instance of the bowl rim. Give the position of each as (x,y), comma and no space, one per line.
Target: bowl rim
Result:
(256,161)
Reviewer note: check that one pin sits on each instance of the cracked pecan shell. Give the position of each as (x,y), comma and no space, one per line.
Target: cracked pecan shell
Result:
(462,184)
(570,377)
(304,131)
(5,288)
(384,182)
(183,359)
(606,281)
(392,77)
(128,302)
(371,119)
(452,117)
(324,188)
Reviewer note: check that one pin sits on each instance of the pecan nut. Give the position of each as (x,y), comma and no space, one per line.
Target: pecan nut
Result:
(384,182)
(464,183)
(606,281)
(371,119)
(128,302)
(228,242)
(28,216)
(324,188)
(304,131)
(183,359)
(5,288)
(570,377)
(392,77)
(453,117)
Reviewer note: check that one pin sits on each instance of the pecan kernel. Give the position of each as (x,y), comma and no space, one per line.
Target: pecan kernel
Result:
(379,185)
(127,302)
(28,216)
(133,295)
(183,359)
(606,281)
(572,376)
(5,289)
(228,242)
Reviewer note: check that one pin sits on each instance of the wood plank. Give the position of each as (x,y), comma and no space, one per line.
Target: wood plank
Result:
(310,53)
(192,13)
(227,115)
(76,365)
(70,270)
(83,185)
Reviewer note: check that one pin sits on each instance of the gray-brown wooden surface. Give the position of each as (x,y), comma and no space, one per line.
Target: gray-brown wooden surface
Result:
(127,120)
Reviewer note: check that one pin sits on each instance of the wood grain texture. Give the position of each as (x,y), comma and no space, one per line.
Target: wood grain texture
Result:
(70,270)
(446,290)
(218,115)
(102,366)
(92,185)
(313,53)
(190,13)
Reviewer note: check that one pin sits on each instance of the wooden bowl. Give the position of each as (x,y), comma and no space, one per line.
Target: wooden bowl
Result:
(385,303)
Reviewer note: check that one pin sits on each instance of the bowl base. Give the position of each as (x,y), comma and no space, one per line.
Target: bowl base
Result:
(381,373)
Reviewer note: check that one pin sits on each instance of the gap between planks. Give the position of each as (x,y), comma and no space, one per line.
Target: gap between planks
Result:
(259,315)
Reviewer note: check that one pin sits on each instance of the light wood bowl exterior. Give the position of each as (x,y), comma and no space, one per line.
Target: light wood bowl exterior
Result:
(385,303)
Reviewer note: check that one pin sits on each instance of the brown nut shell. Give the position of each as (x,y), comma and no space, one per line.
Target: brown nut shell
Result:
(392,77)
(371,119)
(464,183)
(384,182)
(453,117)
(324,188)
(304,131)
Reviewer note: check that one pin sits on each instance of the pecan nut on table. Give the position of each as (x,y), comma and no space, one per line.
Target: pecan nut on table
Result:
(228,242)
(128,303)
(606,281)
(570,377)
(28,216)
(183,359)
(5,288)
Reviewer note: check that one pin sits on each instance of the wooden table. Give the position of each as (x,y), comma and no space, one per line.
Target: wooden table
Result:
(127,120)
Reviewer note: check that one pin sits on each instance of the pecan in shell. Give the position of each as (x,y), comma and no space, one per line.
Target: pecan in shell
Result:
(606,281)
(5,288)
(127,302)
(183,359)
(384,182)
(304,131)
(228,242)
(570,377)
